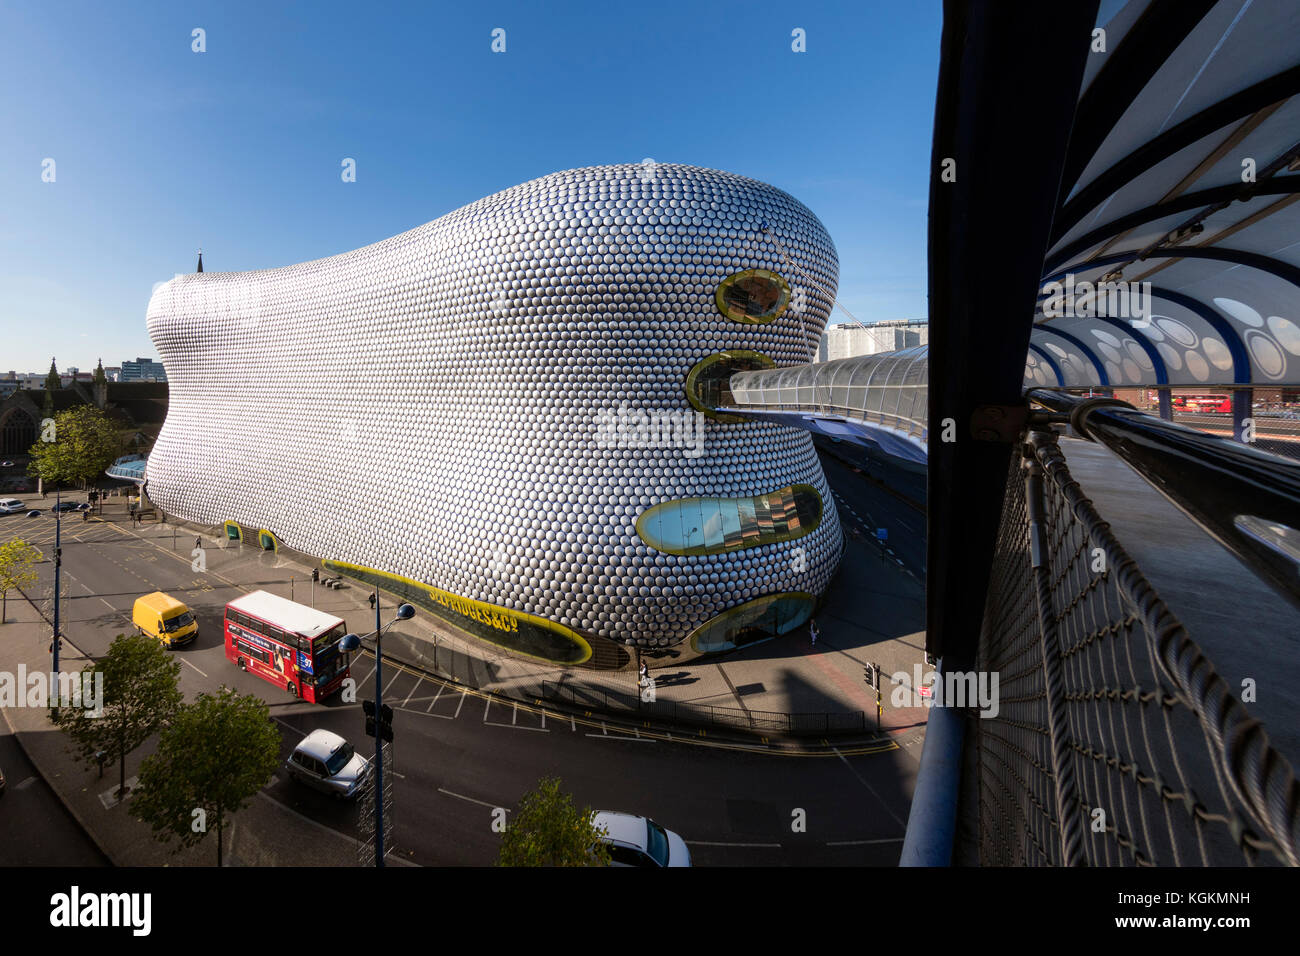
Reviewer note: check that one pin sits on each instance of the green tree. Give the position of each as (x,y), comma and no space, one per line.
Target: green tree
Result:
(86,441)
(16,571)
(212,759)
(547,830)
(141,695)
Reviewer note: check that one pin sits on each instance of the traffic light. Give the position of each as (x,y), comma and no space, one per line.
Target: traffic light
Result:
(315,575)
(385,720)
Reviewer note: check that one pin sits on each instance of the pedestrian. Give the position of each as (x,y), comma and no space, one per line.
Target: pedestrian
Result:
(643,674)
(198,544)
(813,632)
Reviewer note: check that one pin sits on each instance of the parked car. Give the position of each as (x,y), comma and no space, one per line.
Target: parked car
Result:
(34,513)
(639,841)
(11,506)
(326,762)
(64,506)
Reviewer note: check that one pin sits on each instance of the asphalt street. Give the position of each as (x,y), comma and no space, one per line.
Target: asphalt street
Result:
(35,828)
(459,755)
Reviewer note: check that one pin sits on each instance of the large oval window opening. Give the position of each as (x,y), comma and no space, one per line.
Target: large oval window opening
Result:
(755,296)
(708,384)
(692,526)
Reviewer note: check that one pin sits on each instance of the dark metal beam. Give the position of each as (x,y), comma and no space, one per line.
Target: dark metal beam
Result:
(1163,25)
(986,116)
(1205,197)
(1226,111)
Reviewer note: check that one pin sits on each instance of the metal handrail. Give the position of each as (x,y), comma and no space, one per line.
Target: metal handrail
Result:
(1246,499)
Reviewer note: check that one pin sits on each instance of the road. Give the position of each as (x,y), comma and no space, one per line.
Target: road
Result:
(459,754)
(35,828)
(870,493)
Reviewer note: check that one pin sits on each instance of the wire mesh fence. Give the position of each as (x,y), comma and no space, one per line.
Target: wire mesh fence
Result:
(1116,743)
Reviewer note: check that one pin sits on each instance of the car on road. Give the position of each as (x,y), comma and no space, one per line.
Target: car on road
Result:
(64,506)
(34,513)
(11,506)
(6,464)
(326,762)
(639,841)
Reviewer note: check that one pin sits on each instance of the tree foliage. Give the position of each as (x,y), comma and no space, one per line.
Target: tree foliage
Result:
(547,830)
(214,756)
(16,571)
(86,441)
(141,694)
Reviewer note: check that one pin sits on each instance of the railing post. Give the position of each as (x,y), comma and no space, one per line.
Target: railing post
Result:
(1058,723)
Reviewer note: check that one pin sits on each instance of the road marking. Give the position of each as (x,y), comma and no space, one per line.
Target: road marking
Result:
(184,661)
(711,843)
(461,704)
(390,683)
(441,688)
(25,784)
(413,690)
(514,715)
(493,723)
(366,678)
(631,740)
(869,787)
(864,842)
(487,706)
(481,803)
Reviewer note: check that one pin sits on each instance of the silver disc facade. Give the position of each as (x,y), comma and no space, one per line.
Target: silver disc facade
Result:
(438,405)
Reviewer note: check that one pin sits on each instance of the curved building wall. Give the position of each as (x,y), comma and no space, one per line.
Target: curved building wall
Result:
(439,405)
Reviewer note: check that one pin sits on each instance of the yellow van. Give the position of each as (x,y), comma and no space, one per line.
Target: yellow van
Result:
(162,616)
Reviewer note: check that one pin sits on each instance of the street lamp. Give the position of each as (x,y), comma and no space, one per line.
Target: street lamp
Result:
(350,643)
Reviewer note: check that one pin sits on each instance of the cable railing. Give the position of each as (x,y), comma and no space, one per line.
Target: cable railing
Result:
(1117,742)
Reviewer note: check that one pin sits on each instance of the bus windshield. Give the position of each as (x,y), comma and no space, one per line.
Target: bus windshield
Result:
(328,639)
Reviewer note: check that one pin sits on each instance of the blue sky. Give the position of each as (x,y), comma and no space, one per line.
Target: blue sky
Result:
(159,149)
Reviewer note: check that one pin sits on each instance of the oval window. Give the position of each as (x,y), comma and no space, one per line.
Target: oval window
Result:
(757,620)
(692,526)
(755,296)
(708,384)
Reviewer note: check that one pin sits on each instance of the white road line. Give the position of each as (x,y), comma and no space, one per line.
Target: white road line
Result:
(573,724)
(367,677)
(461,704)
(869,787)
(413,690)
(184,661)
(487,706)
(391,682)
(441,688)
(631,740)
(481,803)
(514,714)
(543,720)
(25,784)
(776,846)
(864,842)
(493,723)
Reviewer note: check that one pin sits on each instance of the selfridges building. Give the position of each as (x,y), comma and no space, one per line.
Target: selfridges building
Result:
(508,415)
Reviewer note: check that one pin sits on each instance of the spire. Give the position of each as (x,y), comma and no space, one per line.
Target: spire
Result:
(200,260)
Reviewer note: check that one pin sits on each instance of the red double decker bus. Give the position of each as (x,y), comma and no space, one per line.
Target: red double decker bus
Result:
(289,644)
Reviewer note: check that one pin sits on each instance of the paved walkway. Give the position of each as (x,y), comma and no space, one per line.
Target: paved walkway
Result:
(1245,627)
